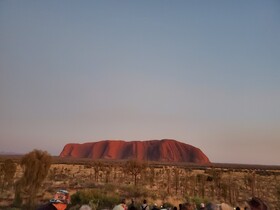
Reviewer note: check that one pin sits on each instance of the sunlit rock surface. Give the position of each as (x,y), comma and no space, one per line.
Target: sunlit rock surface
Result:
(165,150)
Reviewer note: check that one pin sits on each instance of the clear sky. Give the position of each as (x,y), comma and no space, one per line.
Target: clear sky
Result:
(206,73)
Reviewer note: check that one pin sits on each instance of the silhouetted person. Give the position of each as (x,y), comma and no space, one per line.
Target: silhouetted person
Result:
(180,206)
(132,205)
(155,207)
(257,204)
(187,206)
(144,206)
(211,206)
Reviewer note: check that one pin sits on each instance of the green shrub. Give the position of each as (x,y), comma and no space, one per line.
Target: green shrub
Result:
(167,205)
(197,200)
(94,197)
(134,192)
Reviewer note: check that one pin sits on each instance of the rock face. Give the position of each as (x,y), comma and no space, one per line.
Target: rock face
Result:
(165,150)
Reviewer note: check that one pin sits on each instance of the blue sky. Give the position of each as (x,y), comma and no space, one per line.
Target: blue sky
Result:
(206,73)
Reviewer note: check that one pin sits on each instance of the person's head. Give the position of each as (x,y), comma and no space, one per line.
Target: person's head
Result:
(61,199)
(144,201)
(257,204)
(202,205)
(85,207)
(123,200)
(187,206)
(211,206)
(237,208)
(61,196)
(180,206)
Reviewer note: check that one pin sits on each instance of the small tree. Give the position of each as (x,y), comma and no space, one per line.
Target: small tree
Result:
(201,181)
(35,166)
(215,176)
(278,194)
(98,166)
(168,179)
(8,172)
(176,172)
(135,168)
(250,180)
(108,171)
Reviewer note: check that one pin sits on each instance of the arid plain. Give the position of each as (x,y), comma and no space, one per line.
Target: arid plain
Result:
(161,183)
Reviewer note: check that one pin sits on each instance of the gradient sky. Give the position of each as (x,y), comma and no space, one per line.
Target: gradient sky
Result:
(206,73)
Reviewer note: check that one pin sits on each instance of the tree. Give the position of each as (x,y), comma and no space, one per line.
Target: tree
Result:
(8,169)
(176,179)
(135,168)
(250,180)
(152,176)
(168,180)
(201,181)
(97,167)
(215,176)
(186,182)
(35,166)
(278,194)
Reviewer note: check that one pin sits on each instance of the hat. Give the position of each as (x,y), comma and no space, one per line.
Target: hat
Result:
(61,196)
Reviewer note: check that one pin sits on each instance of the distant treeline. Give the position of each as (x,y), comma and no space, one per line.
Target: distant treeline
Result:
(85,161)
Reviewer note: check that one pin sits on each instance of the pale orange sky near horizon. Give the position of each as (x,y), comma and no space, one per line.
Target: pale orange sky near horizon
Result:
(203,73)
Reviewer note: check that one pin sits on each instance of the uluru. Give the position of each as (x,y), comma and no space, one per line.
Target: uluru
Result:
(165,150)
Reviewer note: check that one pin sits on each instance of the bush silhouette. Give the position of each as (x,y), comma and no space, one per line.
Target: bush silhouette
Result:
(35,165)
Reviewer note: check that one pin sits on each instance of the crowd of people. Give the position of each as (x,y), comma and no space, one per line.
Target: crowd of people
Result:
(252,204)
(61,200)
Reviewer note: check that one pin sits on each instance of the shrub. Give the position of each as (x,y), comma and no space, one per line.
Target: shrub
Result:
(134,192)
(94,197)
(197,200)
(35,166)
(8,169)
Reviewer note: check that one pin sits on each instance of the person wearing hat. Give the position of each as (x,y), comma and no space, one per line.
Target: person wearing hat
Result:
(59,202)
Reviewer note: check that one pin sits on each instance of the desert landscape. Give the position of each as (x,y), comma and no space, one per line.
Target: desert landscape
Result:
(100,183)
(169,101)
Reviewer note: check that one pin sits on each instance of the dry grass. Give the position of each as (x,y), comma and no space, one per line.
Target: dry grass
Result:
(160,182)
